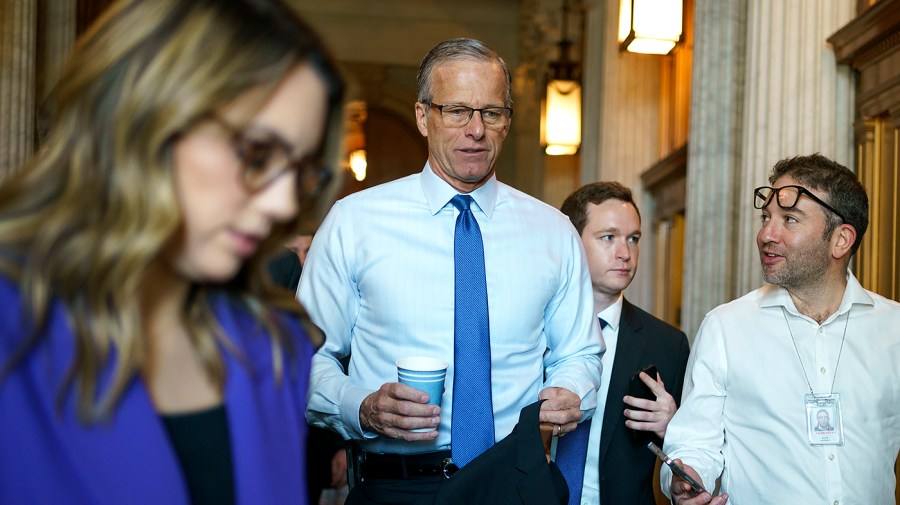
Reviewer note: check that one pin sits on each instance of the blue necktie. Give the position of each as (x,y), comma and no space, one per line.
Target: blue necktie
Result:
(472,422)
(571,453)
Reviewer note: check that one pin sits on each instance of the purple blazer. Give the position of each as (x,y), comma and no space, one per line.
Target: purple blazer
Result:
(48,457)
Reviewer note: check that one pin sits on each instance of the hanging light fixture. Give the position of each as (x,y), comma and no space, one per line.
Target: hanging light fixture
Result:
(355,139)
(561,121)
(649,26)
(358,164)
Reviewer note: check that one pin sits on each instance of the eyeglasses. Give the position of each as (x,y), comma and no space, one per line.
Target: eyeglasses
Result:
(787,197)
(265,157)
(456,116)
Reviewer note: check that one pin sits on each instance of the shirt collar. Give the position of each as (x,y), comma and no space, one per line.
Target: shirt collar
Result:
(438,193)
(775,296)
(613,314)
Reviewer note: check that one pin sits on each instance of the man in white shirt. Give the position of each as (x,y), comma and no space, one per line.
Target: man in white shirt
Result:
(380,283)
(763,365)
(618,467)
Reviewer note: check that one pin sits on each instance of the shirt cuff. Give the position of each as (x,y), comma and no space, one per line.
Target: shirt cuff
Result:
(665,480)
(350,405)
(588,400)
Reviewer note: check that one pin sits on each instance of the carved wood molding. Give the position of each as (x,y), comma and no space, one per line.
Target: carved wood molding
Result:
(666,180)
(870,44)
(673,166)
(869,35)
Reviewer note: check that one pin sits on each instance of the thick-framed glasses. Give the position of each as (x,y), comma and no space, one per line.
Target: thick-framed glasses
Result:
(459,115)
(264,157)
(787,198)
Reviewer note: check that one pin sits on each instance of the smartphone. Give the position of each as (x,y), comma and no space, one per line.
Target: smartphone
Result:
(638,389)
(676,468)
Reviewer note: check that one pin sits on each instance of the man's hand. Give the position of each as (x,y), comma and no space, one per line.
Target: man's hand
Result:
(683,494)
(395,409)
(562,408)
(339,469)
(655,415)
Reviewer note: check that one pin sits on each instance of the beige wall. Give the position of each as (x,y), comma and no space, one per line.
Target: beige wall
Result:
(400,32)
(761,91)
(382,43)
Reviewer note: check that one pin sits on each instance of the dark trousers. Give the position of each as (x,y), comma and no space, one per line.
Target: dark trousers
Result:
(321,445)
(417,491)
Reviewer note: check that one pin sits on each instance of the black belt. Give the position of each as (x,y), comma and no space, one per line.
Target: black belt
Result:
(406,466)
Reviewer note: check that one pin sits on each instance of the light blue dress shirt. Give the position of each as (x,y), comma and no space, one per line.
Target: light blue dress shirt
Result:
(379,282)
(590,490)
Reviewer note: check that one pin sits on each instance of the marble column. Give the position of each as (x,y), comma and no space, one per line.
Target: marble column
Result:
(522,164)
(714,160)
(797,100)
(17,82)
(592,79)
(766,86)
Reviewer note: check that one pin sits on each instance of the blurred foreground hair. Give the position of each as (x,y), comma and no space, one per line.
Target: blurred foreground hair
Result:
(82,221)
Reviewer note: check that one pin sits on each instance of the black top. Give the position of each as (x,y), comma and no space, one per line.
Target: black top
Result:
(201,442)
(285,270)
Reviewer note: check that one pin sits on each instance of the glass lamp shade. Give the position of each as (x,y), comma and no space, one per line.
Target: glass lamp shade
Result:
(358,164)
(562,117)
(650,26)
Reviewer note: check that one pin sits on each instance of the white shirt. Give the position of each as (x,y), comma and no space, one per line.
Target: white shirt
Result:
(379,282)
(743,409)
(590,489)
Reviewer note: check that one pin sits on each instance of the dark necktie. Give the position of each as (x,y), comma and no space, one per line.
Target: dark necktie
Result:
(472,422)
(571,453)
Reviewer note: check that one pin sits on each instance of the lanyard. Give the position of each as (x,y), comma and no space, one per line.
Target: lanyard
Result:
(840,351)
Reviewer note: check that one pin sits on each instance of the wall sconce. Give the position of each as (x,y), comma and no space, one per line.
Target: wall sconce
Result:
(358,164)
(561,116)
(649,26)
(356,113)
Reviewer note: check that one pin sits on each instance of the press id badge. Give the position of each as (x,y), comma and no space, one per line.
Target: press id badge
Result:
(824,424)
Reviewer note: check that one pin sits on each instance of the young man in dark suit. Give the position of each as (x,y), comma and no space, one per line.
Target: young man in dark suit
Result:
(619,468)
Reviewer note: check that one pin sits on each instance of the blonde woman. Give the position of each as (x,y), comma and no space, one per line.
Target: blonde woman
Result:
(145,357)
